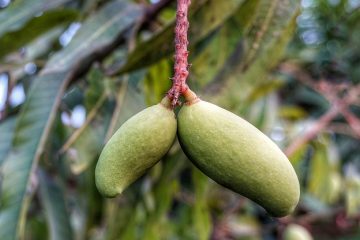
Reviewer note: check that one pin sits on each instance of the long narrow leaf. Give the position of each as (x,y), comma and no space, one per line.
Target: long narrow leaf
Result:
(279,33)
(31,129)
(34,28)
(100,32)
(201,212)
(20,11)
(6,134)
(211,64)
(53,201)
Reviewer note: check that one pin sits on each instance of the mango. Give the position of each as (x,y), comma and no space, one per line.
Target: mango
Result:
(135,147)
(237,155)
(296,232)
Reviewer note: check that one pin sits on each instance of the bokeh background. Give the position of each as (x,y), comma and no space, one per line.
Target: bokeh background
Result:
(72,71)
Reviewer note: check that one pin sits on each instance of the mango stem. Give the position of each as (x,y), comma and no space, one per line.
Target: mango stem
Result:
(181,65)
(190,97)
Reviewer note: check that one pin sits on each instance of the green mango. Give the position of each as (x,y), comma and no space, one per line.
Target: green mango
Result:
(135,147)
(296,232)
(238,156)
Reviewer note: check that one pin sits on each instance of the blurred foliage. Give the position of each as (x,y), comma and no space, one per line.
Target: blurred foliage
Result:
(327,41)
(98,60)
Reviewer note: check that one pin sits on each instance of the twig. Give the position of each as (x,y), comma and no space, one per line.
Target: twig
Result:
(340,96)
(79,131)
(353,95)
(181,53)
(312,217)
(317,127)
(353,121)
(342,128)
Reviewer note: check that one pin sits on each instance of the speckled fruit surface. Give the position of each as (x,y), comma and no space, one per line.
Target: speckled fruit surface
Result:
(135,147)
(238,156)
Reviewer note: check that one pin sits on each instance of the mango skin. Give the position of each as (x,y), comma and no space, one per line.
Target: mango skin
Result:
(135,147)
(238,156)
(296,232)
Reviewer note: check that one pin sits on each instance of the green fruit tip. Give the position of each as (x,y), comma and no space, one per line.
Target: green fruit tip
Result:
(282,213)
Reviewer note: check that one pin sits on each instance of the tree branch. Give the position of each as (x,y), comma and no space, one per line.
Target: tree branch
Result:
(317,127)
(340,96)
(353,121)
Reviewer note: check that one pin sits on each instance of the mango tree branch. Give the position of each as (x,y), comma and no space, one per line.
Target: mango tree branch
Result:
(353,121)
(342,128)
(334,93)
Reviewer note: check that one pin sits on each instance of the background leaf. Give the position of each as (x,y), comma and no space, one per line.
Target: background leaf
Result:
(99,32)
(55,210)
(7,131)
(36,116)
(204,21)
(34,28)
(20,11)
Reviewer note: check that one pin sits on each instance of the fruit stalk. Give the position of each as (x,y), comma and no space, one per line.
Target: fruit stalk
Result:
(181,65)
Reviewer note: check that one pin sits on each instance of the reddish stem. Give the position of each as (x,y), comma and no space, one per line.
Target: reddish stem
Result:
(181,53)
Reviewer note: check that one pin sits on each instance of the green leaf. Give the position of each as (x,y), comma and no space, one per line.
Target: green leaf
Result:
(53,201)
(268,38)
(324,179)
(80,156)
(92,133)
(36,227)
(34,28)
(100,32)
(272,18)
(297,157)
(201,213)
(319,172)
(211,63)
(264,89)
(352,195)
(164,190)
(263,113)
(157,82)
(33,51)
(42,44)
(96,81)
(31,129)
(20,11)
(292,112)
(7,128)
(37,114)
(132,102)
(203,21)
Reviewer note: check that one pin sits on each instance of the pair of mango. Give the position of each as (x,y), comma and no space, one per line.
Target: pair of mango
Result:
(224,146)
